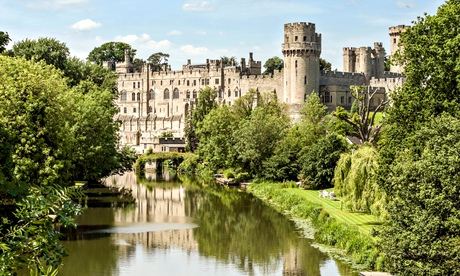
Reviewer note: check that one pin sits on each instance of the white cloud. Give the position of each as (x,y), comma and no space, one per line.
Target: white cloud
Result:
(175,32)
(192,50)
(144,41)
(201,33)
(197,6)
(85,25)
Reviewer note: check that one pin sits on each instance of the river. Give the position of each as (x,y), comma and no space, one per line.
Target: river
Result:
(184,228)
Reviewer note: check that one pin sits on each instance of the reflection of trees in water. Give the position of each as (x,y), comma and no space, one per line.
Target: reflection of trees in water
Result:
(237,228)
(233,227)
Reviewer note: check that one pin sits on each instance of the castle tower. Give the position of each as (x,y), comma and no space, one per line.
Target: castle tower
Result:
(349,59)
(301,50)
(379,57)
(395,35)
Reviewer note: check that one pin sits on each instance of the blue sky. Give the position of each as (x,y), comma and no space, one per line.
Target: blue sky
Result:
(200,29)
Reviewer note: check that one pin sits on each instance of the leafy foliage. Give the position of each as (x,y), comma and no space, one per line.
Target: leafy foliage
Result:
(229,61)
(4,40)
(319,160)
(424,213)
(48,50)
(206,102)
(324,65)
(355,181)
(272,64)
(111,51)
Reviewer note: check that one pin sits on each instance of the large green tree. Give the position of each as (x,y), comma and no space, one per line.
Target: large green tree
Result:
(48,50)
(418,169)
(111,51)
(272,64)
(205,103)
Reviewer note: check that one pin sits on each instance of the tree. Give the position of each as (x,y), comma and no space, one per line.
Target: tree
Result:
(324,65)
(111,51)
(138,64)
(229,61)
(77,70)
(157,60)
(418,167)
(35,143)
(257,137)
(272,64)
(319,160)
(205,103)
(422,235)
(49,50)
(216,138)
(363,122)
(355,181)
(4,40)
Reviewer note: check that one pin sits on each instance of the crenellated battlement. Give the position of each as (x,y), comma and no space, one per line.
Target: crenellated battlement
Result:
(397,30)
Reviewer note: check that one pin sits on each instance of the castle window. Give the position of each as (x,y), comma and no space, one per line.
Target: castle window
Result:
(207,81)
(123,96)
(125,110)
(304,38)
(342,99)
(229,81)
(138,96)
(296,38)
(305,80)
(194,82)
(202,82)
(161,82)
(187,94)
(122,84)
(394,40)
(134,110)
(152,94)
(216,81)
(229,93)
(188,83)
(176,93)
(134,85)
(133,97)
(179,82)
(236,93)
(166,94)
(194,94)
(296,64)
(138,84)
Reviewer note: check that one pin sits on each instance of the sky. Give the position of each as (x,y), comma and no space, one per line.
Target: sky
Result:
(200,29)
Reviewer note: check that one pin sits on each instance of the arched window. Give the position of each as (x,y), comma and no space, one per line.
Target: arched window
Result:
(236,92)
(194,94)
(123,96)
(176,93)
(133,97)
(152,94)
(187,94)
(229,93)
(166,94)
(138,96)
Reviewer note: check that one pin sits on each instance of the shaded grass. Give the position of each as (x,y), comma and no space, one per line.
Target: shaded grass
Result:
(350,232)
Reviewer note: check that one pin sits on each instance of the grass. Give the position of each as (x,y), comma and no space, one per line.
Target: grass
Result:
(350,232)
(364,222)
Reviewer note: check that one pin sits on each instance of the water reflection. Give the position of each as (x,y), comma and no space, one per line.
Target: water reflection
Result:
(236,235)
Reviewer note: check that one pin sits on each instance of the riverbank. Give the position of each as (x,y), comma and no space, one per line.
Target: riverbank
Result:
(349,232)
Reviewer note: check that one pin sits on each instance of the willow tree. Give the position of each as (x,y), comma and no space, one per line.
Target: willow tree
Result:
(355,180)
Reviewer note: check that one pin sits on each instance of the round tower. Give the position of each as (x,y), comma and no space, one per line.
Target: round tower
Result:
(301,50)
(395,35)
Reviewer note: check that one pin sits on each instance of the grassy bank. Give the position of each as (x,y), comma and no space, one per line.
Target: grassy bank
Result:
(350,232)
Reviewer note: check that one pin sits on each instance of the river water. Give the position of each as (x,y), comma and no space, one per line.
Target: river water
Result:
(184,228)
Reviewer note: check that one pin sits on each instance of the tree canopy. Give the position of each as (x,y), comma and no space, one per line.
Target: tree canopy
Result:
(4,40)
(272,64)
(50,50)
(111,51)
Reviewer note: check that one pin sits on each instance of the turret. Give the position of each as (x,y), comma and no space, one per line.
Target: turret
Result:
(395,36)
(301,50)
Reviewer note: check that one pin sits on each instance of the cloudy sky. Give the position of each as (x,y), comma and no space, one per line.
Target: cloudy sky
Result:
(200,29)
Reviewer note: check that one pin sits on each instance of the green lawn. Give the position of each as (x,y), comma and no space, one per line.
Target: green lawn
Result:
(364,222)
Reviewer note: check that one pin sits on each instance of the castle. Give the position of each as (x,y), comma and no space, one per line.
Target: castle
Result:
(152,103)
